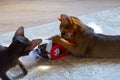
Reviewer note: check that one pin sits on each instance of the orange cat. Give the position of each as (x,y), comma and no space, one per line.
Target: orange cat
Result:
(86,43)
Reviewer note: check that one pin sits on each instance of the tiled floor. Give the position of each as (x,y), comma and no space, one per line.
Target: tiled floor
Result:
(29,13)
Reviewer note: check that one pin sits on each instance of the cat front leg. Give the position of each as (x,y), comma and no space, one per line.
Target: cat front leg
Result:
(22,67)
(3,76)
(73,48)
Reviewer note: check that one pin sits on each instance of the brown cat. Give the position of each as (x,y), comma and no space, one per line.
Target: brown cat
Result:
(86,43)
(9,56)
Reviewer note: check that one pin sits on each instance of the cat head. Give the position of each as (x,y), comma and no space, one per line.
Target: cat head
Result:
(21,45)
(70,26)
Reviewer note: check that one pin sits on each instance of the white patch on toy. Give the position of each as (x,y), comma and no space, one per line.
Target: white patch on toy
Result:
(49,45)
(57,52)
(31,59)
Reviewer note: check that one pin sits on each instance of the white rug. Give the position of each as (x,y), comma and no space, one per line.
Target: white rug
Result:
(71,67)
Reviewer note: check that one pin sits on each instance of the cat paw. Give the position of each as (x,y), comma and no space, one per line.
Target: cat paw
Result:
(25,72)
(56,39)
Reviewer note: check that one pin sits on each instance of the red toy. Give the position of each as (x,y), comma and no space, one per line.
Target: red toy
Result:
(57,52)
(52,51)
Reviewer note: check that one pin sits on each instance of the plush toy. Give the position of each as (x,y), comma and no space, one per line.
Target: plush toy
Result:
(46,49)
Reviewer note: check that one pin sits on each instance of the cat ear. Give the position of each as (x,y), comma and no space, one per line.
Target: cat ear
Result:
(60,19)
(32,44)
(65,19)
(19,31)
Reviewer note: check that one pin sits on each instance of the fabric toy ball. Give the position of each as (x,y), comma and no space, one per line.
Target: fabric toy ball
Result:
(46,49)
(52,51)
